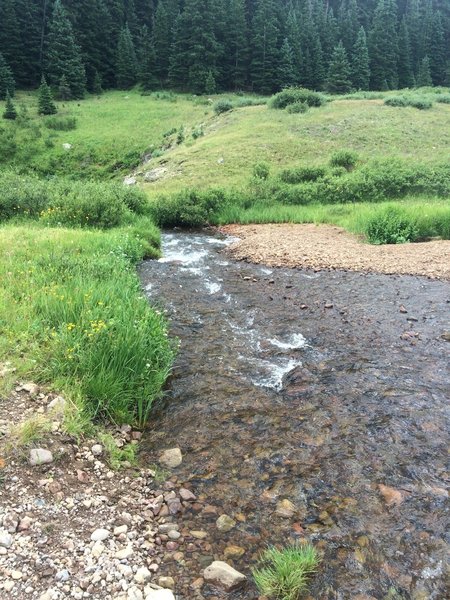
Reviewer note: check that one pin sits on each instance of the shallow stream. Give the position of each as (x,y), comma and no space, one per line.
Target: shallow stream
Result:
(316,388)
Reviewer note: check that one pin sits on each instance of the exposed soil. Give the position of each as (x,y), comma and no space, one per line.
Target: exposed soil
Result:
(325,247)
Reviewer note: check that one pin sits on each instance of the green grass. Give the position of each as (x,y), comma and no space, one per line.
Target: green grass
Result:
(283,574)
(72,316)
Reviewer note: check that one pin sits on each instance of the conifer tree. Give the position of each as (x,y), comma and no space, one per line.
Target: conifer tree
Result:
(46,106)
(339,72)
(147,61)
(286,74)
(162,36)
(97,85)
(210,84)
(424,75)
(10,110)
(383,46)
(348,23)
(437,50)
(360,62)
(293,36)
(264,47)
(235,54)
(7,83)
(63,56)
(126,66)
(64,91)
(405,71)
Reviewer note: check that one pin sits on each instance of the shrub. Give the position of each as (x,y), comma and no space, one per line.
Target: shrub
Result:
(344,158)
(198,132)
(61,123)
(22,196)
(188,208)
(283,574)
(391,226)
(297,107)
(180,135)
(443,99)
(222,105)
(396,101)
(419,102)
(261,170)
(294,95)
(302,174)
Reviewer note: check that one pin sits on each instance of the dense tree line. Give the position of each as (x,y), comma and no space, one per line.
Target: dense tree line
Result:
(208,45)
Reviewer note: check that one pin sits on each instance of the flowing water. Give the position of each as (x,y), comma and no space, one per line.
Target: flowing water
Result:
(316,388)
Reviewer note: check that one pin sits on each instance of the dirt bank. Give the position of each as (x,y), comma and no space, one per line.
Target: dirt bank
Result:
(322,247)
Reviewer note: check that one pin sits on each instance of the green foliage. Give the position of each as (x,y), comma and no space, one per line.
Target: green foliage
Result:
(294,95)
(339,71)
(74,308)
(10,112)
(297,108)
(7,83)
(283,574)
(188,208)
(61,123)
(210,83)
(391,226)
(197,132)
(222,105)
(421,103)
(424,75)
(117,457)
(46,106)
(344,158)
(302,174)
(261,170)
(126,66)
(64,91)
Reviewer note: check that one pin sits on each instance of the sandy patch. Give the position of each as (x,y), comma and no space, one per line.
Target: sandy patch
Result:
(323,247)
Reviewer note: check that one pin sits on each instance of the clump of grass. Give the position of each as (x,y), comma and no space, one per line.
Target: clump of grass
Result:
(61,123)
(391,225)
(29,432)
(297,108)
(283,574)
(115,456)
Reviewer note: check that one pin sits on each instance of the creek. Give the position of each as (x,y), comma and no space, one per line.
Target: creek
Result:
(317,388)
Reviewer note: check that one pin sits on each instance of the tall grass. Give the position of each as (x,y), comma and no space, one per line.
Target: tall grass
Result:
(72,316)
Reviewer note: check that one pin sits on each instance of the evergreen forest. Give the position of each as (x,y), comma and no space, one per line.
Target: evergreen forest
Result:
(208,46)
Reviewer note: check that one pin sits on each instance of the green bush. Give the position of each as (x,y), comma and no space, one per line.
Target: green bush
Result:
(261,170)
(188,208)
(344,158)
(294,95)
(222,105)
(297,107)
(396,101)
(22,196)
(301,174)
(61,123)
(419,102)
(443,99)
(391,226)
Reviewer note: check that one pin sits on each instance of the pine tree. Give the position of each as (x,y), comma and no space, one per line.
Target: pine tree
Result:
(64,91)
(7,83)
(210,84)
(147,61)
(63,56)
(286,74)
(360,62)
(126,66)
(264,47)
(46,106)
(437,51)
(235,52)
(383,46)
(339,72)
(348,23)
(405,71)
(162,36)
(293,36)
(10,110)
(424,75)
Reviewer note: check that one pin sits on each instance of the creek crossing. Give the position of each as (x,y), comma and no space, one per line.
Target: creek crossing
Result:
(317,388)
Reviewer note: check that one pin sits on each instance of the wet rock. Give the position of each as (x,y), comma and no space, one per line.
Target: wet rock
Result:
(171,458)
(446,336)
(224,576)
(391,496)
(233,552)
(40,456)
(402,309)
(285,508)
(99,535)
(186,495)
(225,523)
(198,534)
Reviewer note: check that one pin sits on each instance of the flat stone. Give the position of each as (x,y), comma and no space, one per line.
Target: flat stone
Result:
(40,456)
(225,523)
(160,595)
(285,508)
(171,458)
(198,535)
(99,535)
(224,576)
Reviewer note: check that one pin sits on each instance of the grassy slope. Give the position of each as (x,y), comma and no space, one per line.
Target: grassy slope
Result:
(248,135)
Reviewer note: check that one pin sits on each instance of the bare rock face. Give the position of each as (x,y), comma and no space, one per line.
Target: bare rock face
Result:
(171,458)
(224,576)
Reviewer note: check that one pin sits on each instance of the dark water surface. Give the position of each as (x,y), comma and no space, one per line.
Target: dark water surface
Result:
(312,387)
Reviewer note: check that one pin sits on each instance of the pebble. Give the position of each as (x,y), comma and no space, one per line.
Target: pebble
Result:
(124,553)
(100,535)
(234,552)
(198,535)
(171,458)
(16,575)
(166,582)
(187,495)
(6,539)
(97,449)
(223,575)
(143,575)
(40,456)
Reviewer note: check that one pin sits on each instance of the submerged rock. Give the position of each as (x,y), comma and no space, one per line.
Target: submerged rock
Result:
(225,523)
(223,575)
(285,508)
(171,458)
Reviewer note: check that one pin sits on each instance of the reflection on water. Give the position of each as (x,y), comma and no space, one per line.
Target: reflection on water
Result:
(341,410)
